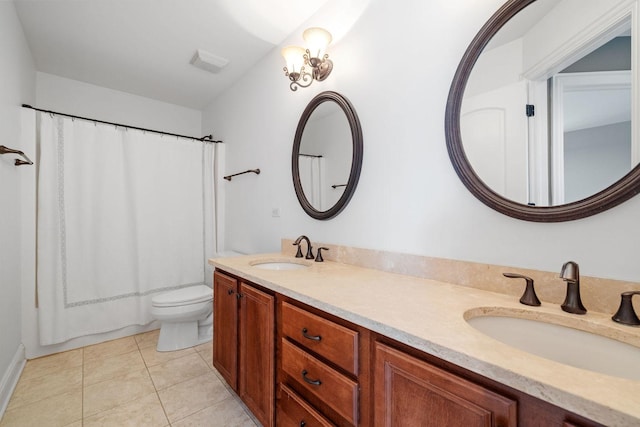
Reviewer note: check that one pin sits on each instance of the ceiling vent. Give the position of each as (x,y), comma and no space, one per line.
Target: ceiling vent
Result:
(208,61)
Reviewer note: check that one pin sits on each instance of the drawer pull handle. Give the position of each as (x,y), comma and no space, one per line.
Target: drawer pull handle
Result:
(310,337)
(309,380)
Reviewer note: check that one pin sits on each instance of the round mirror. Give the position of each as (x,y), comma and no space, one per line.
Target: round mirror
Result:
(538,120)
(327,155)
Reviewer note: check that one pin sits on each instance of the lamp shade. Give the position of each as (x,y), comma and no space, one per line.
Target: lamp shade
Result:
(317,40)
(294,57)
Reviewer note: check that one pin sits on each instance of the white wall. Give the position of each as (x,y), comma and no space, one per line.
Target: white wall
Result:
(17,75)
(495,69)
(396,65)
(594,158)
(86,100)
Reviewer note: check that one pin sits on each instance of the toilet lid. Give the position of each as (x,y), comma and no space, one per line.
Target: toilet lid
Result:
(183,296)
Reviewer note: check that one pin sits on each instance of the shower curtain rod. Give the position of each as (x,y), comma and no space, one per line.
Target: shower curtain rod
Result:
(206,138)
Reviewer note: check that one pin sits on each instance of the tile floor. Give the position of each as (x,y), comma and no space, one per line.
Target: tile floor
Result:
(124,382)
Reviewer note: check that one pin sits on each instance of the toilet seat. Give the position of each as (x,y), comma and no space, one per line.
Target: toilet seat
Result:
(184,296)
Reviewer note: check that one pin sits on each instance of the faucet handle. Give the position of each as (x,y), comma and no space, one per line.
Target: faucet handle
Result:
(625,314)
(529,296)
(319,254)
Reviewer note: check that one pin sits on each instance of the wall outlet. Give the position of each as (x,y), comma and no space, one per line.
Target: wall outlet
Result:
(275,212)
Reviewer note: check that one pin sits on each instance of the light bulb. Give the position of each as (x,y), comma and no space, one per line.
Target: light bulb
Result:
(294,57)
(317,40)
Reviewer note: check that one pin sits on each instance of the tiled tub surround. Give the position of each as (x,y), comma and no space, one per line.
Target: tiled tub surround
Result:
(429,315)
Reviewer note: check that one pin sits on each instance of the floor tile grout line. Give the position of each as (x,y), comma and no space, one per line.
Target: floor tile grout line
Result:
(113,377)
(82,392)
(112,408)
(230,397)
(164,411)
(236,397)
(175,384)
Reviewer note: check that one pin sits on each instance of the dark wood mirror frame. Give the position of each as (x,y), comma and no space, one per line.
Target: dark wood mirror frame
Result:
(620,191)
(356,160)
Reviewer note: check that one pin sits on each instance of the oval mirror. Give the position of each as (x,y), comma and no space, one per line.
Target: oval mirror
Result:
(539,116)
(327,155)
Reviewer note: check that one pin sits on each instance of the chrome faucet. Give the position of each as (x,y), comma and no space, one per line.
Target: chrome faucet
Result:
(570,273)
(309,247)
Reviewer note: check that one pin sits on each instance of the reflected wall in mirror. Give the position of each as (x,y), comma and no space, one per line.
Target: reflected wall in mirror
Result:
(539,117)
(327,155)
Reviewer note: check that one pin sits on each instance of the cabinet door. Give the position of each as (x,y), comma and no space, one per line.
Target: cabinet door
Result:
(411,392)
(257,365)
(225,327)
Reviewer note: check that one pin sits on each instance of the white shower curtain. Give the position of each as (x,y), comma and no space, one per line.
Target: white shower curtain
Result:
(122,214)
(311,171)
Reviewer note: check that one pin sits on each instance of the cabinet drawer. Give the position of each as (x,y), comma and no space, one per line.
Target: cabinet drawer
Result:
(293,411)
(327,384)
(324,337)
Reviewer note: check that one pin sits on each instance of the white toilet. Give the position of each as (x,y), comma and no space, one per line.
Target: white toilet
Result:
(185,315)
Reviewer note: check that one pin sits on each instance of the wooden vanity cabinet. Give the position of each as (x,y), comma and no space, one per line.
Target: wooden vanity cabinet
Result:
(412,392)
(243,344)
(294,365)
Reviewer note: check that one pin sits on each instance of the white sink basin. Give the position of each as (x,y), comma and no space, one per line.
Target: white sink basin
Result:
(564,344)
(279,265)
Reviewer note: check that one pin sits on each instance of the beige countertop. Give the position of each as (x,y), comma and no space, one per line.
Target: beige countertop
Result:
(430,316)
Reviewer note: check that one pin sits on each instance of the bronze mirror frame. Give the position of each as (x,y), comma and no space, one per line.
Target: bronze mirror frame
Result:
(620,191)
(356,158)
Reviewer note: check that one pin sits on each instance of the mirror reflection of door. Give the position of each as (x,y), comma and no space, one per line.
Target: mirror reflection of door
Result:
(494,127)
(526,63)
(591,136)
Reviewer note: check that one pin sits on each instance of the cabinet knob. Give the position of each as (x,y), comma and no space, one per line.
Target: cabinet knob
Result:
(310,337)
(302,424)
(309,380)
(230,291)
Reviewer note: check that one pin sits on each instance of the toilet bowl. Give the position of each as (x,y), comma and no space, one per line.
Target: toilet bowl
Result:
(185,316)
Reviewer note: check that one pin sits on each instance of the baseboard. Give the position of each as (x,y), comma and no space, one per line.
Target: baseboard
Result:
(10,378)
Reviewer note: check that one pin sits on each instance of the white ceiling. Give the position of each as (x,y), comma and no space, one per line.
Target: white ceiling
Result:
(144,47)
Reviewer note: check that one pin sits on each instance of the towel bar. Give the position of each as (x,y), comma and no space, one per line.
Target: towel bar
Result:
(256,171)
(18,162)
